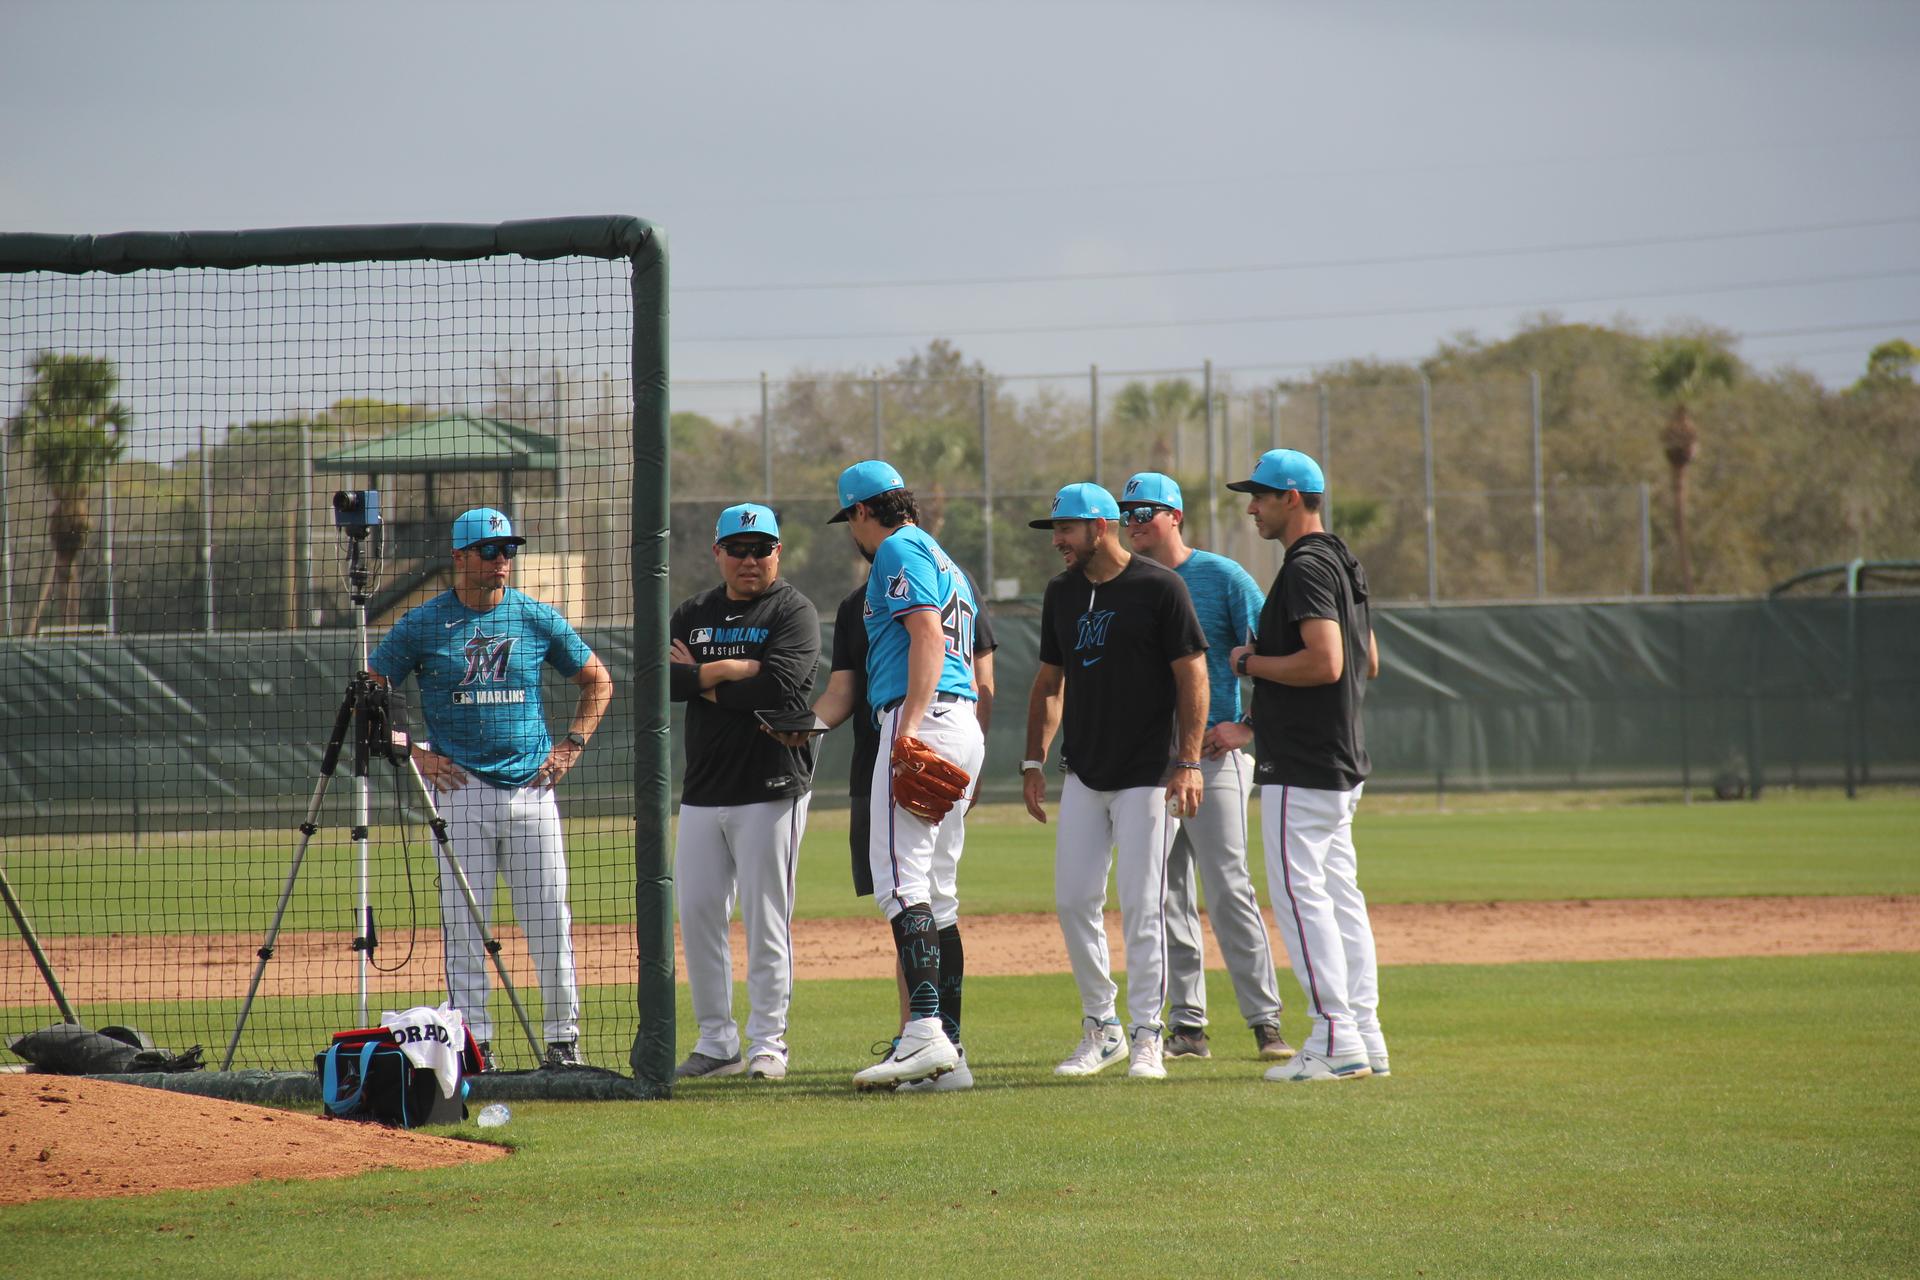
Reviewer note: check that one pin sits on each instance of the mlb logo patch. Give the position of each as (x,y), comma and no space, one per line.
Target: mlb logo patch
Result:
(702,635)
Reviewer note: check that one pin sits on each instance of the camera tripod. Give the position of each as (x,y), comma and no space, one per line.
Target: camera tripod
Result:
(367,709)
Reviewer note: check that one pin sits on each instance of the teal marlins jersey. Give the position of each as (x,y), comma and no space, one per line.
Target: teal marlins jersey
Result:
(479,678)
(912,574)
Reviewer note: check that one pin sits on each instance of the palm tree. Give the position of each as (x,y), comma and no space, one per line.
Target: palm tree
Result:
(71,425)
(1161,410)
(1682,372)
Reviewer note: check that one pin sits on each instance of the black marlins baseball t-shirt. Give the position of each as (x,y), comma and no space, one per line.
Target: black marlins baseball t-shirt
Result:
(1311,737)
(1116,641)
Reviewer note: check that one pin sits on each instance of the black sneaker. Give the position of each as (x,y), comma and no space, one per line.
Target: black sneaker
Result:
(1186,1042)
(486,1054)
(562,1054)
(1272,1044)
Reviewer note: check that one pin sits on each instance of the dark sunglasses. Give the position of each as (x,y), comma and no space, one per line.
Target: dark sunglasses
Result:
(749,550)
(495,550)
(1142,515)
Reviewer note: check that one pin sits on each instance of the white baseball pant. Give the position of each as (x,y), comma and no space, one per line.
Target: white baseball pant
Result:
(914,860)
(1216,840)
(1093,825)
(749,852)
(1313,875)
(514,834)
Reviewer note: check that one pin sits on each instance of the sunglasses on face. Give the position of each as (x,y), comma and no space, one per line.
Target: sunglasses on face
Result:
(495,550)
(749,550)
(1142,515)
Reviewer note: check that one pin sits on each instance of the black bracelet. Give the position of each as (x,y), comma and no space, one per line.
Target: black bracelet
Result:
(1241,666)
(1186,764)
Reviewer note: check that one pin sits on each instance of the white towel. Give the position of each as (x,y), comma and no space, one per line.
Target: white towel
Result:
(432,1039)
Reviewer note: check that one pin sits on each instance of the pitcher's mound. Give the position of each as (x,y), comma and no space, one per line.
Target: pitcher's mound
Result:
(70,1137)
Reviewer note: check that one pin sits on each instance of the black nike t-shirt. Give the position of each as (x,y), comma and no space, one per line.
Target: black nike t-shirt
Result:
(850,654)
(1312,737)
(1117,642)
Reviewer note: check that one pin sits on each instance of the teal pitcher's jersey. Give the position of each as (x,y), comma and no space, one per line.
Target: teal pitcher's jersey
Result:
(1228,604)
(479,678)
(911,574)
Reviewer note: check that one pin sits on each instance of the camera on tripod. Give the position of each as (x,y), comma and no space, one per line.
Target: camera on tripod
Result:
(356,510)
(381,719)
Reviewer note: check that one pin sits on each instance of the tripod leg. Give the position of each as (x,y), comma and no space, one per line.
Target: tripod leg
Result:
(328,763)
(439,826)
(33,945)
(265,953)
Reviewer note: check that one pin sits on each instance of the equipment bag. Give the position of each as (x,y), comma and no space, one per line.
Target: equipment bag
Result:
(365,1075)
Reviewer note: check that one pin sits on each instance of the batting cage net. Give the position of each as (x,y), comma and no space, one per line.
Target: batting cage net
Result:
(234,463)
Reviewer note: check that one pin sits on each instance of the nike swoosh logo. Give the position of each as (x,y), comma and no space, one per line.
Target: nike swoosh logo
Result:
(456,622)
(1087,662)
(937,715)
(735,617)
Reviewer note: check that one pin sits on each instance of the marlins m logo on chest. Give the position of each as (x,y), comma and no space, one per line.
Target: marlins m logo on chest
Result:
(487,658)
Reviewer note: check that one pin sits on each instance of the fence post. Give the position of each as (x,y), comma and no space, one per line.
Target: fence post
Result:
(6,529)
(1273,421)
(879,432)
(986,485)
(308,611)
(1646,541)
(1226,456)
(766,442)
(1539,496)
(1213,511)
(1326,452)
(1426,448)
(106,548)
(1093,392)
(206,523)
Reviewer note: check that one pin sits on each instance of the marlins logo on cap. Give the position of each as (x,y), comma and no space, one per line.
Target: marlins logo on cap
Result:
(483,524)
(1084,501)
(747,518)
(1152,486)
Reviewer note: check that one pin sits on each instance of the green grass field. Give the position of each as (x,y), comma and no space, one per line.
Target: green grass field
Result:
(1661,1118)
(1529,848)
(1697,1118)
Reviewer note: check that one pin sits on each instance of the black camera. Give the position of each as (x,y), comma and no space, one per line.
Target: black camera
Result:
(382,719)
(356,509)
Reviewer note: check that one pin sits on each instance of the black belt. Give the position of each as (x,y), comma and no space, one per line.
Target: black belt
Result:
(938,697)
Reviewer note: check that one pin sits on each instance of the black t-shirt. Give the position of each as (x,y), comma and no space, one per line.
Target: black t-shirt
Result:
(1312,737)
(729,760)
(850,654)
(1117,642)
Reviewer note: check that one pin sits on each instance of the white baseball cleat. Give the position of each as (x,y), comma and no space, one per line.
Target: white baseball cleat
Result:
(1103,1044)
(1380,1066)
(766,1066)
(1311,1066)
(961,1077)
(922,1052)
(1147,1063)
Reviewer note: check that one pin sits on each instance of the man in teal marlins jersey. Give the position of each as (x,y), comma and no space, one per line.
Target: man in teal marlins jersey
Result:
(1228,604)
(919,618)
(476,652)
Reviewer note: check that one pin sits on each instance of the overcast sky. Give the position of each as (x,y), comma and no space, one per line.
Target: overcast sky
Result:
(1393,159)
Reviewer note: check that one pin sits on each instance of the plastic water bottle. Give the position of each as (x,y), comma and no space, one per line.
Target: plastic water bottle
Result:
(493,1115)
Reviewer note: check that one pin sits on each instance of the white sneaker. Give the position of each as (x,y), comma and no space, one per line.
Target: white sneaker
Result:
(922,1053)
(1311,1066)
(1103,1045)
(1147,1063)
(766,1066)
(1380,1066)
(961,1077)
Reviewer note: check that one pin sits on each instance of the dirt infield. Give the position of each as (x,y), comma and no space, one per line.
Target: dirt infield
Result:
(62,1137)
(183,968)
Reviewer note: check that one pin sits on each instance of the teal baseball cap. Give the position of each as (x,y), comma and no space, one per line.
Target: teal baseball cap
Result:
(1152,486)
(1283,469)
(483,524)
(749,518)
(1084,501)
(865,480)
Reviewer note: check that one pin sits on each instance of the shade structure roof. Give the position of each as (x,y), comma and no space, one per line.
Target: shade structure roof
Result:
(451,442)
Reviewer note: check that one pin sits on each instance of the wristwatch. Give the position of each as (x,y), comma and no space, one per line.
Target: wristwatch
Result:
(1032,764)
(576,738)
(1241,666)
